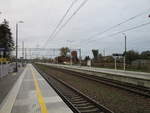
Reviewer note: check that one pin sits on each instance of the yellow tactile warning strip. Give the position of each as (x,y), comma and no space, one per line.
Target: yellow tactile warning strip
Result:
(39,93)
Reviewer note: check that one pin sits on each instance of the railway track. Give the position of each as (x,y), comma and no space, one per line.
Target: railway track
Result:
(125,86)
(77,101)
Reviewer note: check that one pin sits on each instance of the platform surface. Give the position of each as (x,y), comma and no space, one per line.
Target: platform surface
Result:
(130,74)
(32,94)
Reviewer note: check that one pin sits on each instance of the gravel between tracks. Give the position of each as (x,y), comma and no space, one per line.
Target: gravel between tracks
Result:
(117,100)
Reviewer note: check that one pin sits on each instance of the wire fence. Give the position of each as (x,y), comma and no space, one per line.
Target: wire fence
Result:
(5,69)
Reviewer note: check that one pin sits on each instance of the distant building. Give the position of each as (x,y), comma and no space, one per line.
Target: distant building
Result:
(61,59)
(74,56)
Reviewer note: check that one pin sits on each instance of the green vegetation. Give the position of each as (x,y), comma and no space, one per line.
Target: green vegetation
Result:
(135,61)
(64,51)
(6,40)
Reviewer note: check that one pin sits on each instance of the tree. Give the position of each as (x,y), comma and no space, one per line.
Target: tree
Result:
(6,40)
(131,55)
(64,51)
(86,58)
(95,54)
(145,55)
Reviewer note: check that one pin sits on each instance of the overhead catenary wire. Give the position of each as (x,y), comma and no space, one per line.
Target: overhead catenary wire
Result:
(61,21)
(125,30)
(69,19)
(115,26)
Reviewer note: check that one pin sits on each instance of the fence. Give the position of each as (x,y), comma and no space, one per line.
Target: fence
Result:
(5,69)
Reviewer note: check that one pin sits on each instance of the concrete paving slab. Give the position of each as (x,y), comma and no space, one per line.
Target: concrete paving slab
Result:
(32,94)
(135,78)
(132,74)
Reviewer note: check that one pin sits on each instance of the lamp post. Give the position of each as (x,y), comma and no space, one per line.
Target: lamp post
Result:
(125,49)
(22,53)
(17,44)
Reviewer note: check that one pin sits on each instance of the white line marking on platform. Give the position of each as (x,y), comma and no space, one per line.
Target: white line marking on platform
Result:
(9,101)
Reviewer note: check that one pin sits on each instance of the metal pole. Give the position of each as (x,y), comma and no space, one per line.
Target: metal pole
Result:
(22,49)
(22,53)
(115,63)
(125,53)
(17,47)
(70,58)
(80,56)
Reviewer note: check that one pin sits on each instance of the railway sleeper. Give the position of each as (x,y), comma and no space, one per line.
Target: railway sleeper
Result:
(71,95)
(79,102)
(95,110)
(77,99)
(84,104)
(86,107)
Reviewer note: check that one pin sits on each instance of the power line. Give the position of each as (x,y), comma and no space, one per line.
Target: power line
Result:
(61,20)
(126,30)
(68,20)
(117,25)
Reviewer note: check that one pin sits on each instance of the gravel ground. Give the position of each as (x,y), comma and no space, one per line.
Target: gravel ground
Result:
(119,101)
(7,82)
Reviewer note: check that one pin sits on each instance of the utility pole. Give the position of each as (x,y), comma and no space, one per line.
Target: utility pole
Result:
(80,56)
(17,47)
(125,49)
(70,57)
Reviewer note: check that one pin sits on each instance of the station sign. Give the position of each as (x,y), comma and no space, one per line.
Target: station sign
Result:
(3,60)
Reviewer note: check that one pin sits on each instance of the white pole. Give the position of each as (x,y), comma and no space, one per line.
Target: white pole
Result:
(115,63)
(124,63)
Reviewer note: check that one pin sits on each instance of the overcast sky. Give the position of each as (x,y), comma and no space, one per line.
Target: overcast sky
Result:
(41,17)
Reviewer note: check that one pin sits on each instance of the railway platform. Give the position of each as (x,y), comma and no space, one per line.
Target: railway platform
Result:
(137,78)
(32,94)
